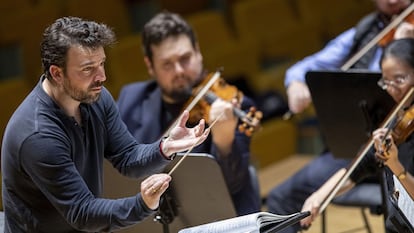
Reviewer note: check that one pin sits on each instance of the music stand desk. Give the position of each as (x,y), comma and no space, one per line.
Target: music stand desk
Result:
(349,106)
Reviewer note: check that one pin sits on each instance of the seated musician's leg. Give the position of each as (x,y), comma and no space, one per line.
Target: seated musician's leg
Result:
(288,197)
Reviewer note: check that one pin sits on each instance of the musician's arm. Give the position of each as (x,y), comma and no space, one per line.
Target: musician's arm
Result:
(332,182)
(314,201)
(406,179)
(391,157)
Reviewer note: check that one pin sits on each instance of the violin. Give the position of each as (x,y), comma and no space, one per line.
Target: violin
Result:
(400,128)
(390,35)
(403,126)
(209,90)
(220,89)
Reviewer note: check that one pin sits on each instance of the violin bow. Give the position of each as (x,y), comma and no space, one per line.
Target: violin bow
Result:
(394,23)
(407,98)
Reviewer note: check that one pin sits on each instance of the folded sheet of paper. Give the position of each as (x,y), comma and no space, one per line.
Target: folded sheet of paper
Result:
(261,222)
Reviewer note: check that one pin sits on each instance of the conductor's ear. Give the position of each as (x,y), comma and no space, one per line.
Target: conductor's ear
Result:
(57,73)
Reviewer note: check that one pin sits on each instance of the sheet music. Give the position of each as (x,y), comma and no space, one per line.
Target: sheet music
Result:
(405,203)
(251,223)
(242,224)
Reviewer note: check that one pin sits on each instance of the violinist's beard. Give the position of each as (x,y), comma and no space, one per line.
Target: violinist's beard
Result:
(180,92)
(180,95)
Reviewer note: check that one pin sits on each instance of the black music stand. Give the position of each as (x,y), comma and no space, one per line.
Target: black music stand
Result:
(197,195)
(349,106)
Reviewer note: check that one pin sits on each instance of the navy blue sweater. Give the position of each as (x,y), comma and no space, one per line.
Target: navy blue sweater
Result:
(53,167)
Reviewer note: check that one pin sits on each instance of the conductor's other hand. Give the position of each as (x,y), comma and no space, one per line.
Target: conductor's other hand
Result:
(153,187)
(182,138)
(298,96)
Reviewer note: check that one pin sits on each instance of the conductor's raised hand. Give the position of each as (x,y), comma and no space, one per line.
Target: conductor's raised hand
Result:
(153,187)
(182,138)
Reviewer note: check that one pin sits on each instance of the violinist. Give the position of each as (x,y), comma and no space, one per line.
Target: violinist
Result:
(289,196)
(340,49)
(397,65)
(174,61)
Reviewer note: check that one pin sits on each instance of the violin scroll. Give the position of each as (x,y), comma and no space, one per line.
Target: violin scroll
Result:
(250,121)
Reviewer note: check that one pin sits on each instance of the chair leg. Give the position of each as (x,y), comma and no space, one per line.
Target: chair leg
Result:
(323,221)
(366,222)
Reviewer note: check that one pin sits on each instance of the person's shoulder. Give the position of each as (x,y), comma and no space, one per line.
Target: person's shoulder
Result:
(367,21)
(364,26)
(138,86)
(248,100)
(105,96)
(137,90)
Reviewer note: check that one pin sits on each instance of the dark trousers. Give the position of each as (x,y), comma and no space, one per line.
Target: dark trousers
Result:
(288,197)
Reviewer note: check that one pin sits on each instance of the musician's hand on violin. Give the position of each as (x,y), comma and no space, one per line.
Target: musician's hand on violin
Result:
(299,96)
(386,150)
(223,131)
(182,138)
(404,30)
(223,110)
(152,188)
(311,204)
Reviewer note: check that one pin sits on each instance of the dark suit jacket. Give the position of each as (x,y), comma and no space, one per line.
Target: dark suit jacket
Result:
(140,106)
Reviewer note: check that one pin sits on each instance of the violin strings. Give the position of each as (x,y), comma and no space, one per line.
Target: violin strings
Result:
(192,147)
